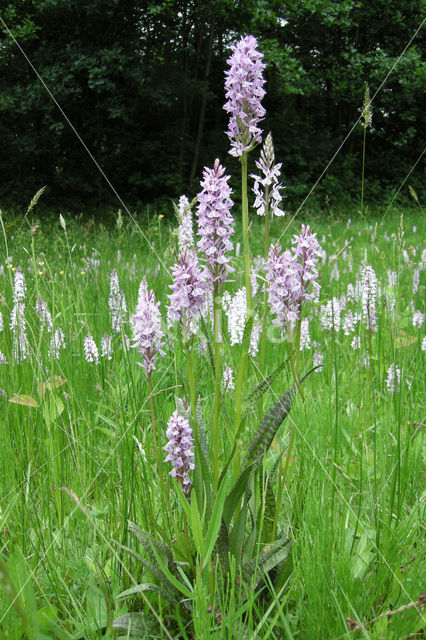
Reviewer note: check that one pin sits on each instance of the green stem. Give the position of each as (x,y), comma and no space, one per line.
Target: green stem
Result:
(245,234)
(362,174)
(215,432)
(292,367)
(265,300)
(282,483)
(192,389)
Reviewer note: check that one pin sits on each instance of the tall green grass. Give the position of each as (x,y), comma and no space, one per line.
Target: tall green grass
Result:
(79,465)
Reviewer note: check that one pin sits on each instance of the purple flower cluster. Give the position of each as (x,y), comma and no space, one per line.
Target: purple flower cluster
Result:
(180,449)
(289,275)
(147,331)
(283,285)
(244,91)
(306,250)
(215,222)
(189,289)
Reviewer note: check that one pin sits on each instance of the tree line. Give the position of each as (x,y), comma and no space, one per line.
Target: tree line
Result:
(142,84)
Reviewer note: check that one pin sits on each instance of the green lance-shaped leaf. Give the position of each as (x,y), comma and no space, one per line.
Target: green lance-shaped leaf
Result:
(147,586)
(263,386)
(201,485)
(148,542)
(136,623)
(268,558)
(156,572)
(270,506)
(270,424)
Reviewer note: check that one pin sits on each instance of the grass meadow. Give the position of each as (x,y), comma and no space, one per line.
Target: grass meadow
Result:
(78,457)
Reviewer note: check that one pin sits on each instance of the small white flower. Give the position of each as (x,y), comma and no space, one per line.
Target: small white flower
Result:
(394,378)
(91,352)
(228,379)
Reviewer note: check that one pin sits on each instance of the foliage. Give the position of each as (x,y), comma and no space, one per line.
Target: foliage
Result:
(141,82)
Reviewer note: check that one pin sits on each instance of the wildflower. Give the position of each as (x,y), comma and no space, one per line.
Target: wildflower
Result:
(305,338)
(254,339)
(335,273)
(215,222)
(116,303)
(180,449)
(19,286)
(57,342)
(3,359)
(392,278)
(422,265)
(318,360)
(418,319)
(44,314)
(147,333)
(244,91)
(349,322)
(91,352)
(416,280)
(189,291)
(269,197)
(394,378)
(236,310)
(106,347)
(423,347)
(185,231)
(306,250)
(330,319)
(283,285)
(228,379)
(356,343)
(368,297)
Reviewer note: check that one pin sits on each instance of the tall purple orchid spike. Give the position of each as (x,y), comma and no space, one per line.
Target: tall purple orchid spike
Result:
(189,289)
(180,450)
(148,336)
(215,222)
(244,91)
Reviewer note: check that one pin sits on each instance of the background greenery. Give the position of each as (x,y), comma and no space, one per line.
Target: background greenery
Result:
(142,83)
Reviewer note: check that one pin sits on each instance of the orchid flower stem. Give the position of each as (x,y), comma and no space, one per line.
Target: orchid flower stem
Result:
(217,339)
(192,391)
(265,301)
(298,330)
(292,367)
(157,451)
(245,233)
(282,484)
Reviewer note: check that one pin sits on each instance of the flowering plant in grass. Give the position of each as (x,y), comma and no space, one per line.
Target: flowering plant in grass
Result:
(229,514)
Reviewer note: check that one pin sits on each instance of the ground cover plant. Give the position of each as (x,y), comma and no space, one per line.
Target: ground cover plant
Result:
(214,430)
